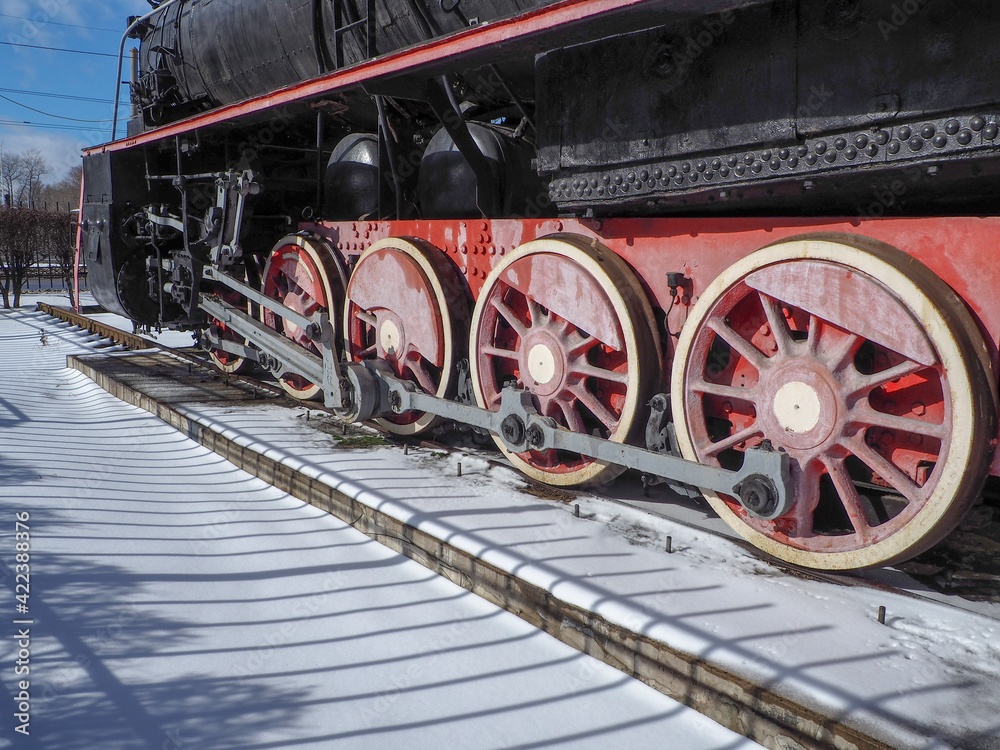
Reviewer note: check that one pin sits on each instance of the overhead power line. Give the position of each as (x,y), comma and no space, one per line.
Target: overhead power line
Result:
(60,49)
(53,95)
(47,114)
(57,23)
(46,126)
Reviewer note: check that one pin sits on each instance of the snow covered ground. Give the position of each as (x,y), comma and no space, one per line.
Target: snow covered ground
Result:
(176,602)
(925,679)
(166,337)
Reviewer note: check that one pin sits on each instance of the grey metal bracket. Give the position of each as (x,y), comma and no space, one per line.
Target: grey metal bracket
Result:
(242,184)
(280,355)
(255,296)
(210,341)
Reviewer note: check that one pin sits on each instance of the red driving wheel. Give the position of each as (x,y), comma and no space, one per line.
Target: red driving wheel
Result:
(408,305)
(867,370)
(305,274)
(568,320)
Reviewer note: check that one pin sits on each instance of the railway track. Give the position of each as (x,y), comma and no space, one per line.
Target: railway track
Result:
(962,571)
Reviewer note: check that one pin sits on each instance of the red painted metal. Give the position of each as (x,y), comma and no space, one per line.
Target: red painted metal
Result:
(226,360)
(294,278)
(957,249)
(571,373)
(831,293)
(893,417)
(391,286)
(953,247)
(76,254)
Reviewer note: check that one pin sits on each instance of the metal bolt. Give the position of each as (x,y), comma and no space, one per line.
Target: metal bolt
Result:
(459,468)
(670,545)
(576,510)
(881,615)
(512,429)
(534,436)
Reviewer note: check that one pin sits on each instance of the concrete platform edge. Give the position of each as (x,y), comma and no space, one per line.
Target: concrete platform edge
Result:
(748,709)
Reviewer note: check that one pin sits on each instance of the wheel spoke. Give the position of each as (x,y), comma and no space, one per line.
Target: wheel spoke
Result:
(573,419)
(724,391)
(813,335)
(742,347)
(863,384)
(512,320)
(415,364)
(779,326)
(840,353)
(587,370)
(800,517)
(714,449)
(891,473)
(366,317)
(849,496)
(495,351)
(586,343)
(864,414)
(593,404)
(535,315)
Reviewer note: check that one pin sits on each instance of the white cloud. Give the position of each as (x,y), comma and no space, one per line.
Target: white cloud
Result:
(61,151)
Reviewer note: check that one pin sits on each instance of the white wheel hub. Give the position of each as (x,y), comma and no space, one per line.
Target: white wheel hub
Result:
(389,337)
(541,364)
(796,406)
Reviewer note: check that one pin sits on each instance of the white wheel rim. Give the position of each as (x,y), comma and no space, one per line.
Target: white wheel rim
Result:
(390,331)
(543,369)
(947,348)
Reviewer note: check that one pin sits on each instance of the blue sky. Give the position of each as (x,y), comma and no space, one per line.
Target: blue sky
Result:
(86,25)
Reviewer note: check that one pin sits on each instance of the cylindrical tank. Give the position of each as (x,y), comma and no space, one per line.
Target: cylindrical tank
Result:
(448,185)
(200,54)
(353,185)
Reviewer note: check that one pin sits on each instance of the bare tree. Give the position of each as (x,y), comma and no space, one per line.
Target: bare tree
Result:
(34,169)
(56,245)
(11,176)
(17,251)
(67,190)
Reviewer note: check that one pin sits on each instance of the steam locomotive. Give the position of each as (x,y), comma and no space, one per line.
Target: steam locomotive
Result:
(743,247)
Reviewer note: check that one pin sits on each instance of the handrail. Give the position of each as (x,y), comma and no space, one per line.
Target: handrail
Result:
(121,55)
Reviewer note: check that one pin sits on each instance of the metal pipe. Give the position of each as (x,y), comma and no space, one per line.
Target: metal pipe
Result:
(390,155)
(135,77)
(121,55)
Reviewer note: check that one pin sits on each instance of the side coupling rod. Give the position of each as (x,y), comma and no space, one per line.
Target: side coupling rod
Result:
(365,390)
